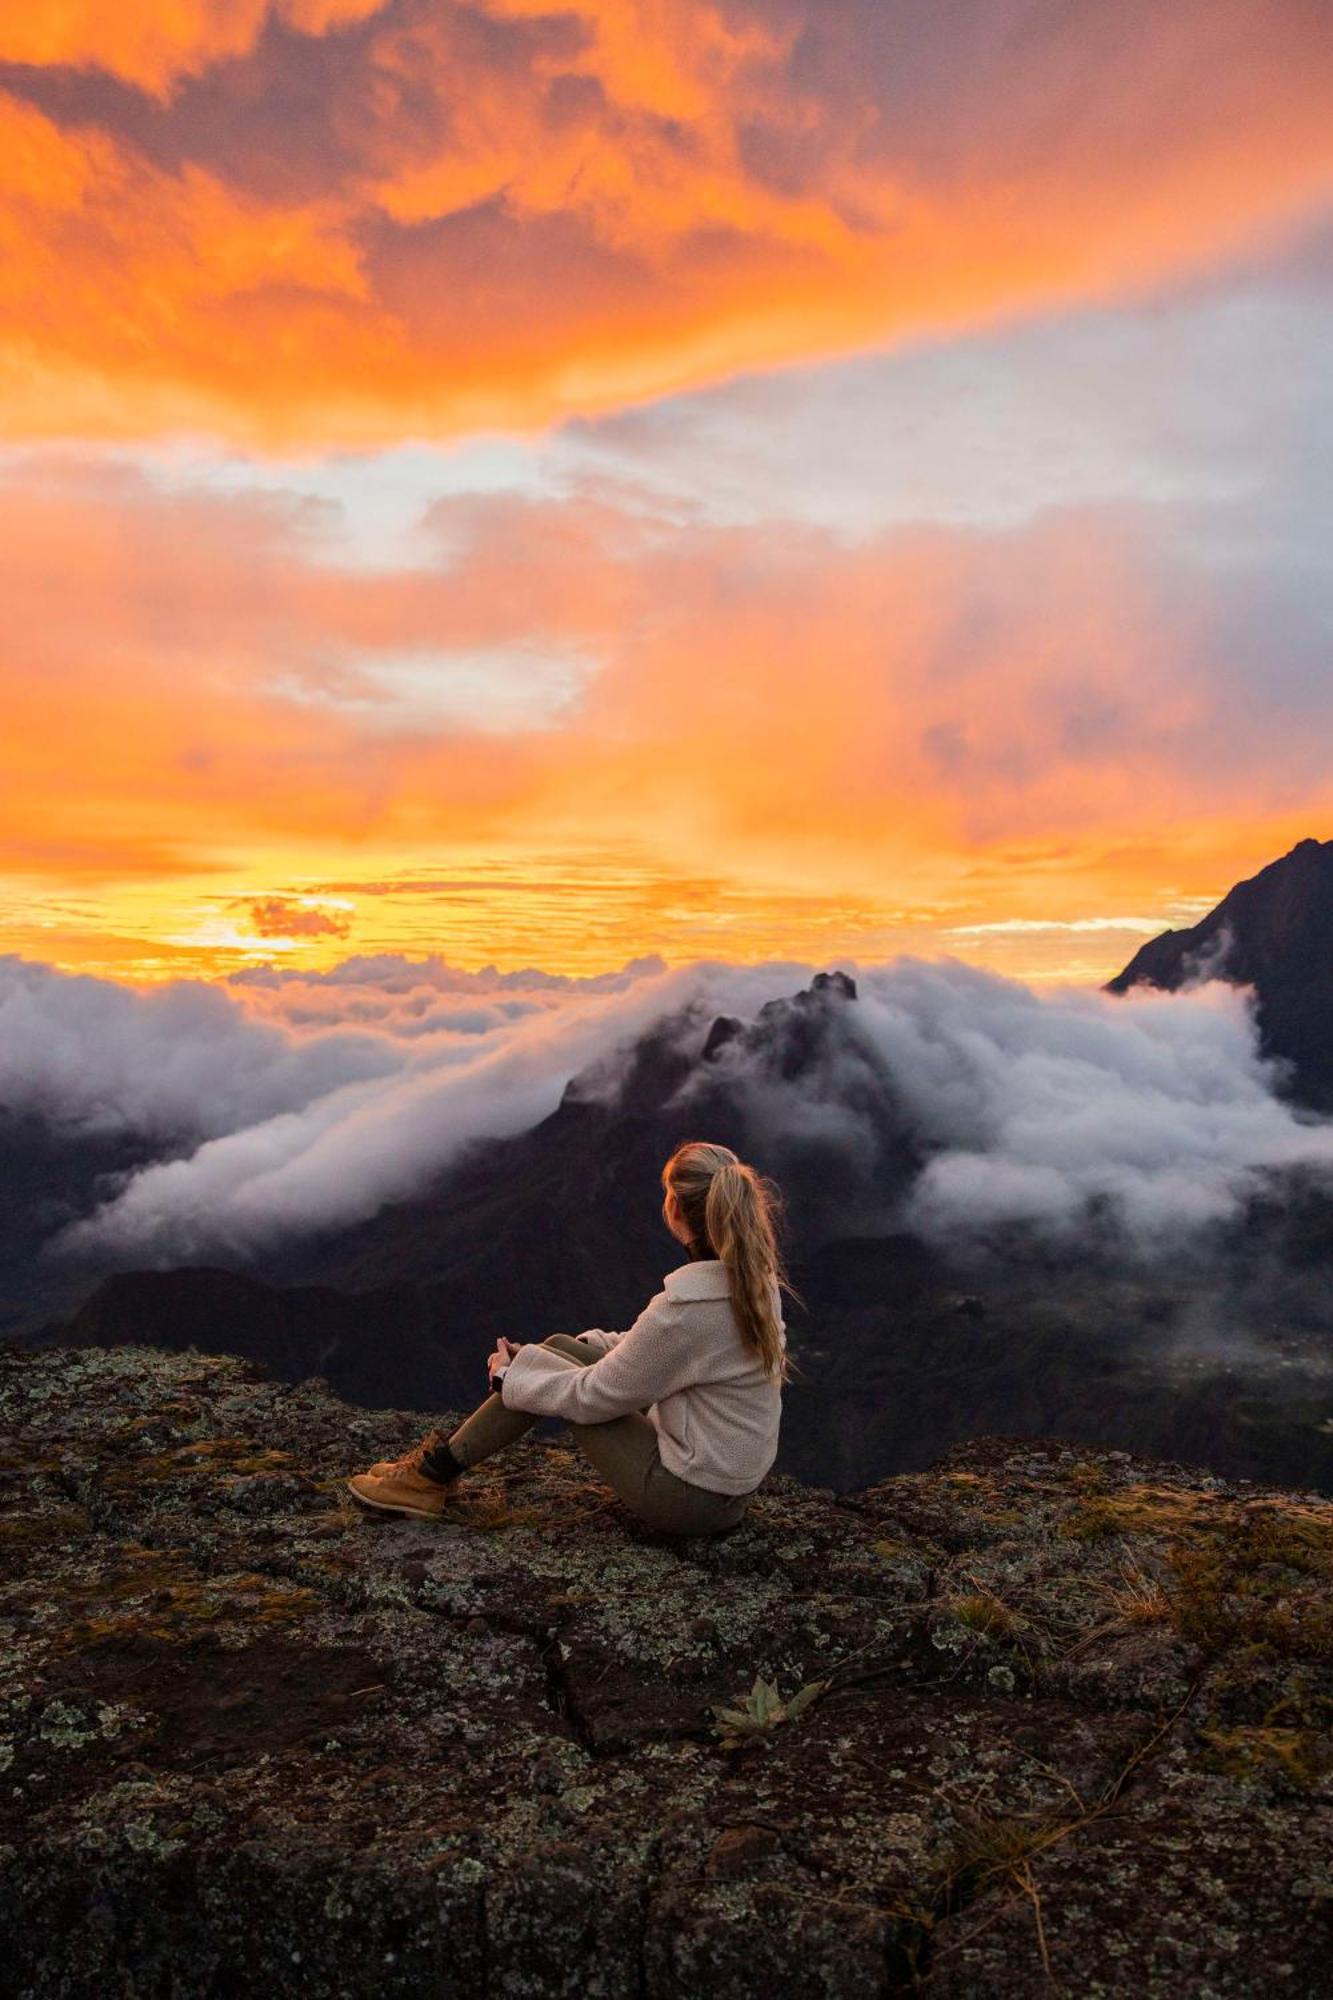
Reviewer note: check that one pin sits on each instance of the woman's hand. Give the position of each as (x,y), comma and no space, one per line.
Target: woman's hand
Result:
(505,1350)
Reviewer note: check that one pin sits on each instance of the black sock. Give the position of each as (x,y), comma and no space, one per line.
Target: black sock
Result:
(440,1464)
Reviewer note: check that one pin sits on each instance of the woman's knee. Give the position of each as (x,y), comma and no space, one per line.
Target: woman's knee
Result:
(568,1343)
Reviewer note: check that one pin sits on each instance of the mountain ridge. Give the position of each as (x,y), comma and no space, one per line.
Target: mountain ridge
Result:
(558,1227)
(904,1348)
(1272,931)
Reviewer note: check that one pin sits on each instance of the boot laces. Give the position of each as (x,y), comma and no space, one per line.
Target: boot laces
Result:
(412,1457)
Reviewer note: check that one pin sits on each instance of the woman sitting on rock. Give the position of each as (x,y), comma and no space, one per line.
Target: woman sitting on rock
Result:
(680,1413)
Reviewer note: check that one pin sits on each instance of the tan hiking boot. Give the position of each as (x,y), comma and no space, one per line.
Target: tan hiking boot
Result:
(398,1485)
(404,1492)
(411,1457)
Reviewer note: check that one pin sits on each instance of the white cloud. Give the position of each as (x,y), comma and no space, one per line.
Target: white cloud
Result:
(1035,1109)
(335,1154)
(179,1060)
(1041,1109)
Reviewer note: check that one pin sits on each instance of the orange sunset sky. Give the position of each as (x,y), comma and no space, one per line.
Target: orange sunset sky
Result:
(551,483)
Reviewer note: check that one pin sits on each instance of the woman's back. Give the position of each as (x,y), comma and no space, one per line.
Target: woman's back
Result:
(715,1406)
(719,1427)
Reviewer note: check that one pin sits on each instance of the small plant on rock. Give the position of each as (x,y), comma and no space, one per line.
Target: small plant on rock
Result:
(764,1709)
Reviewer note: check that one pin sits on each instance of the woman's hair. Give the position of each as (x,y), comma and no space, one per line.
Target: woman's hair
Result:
(732,1211)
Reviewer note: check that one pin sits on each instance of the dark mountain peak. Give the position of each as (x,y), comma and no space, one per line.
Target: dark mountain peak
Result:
(795,1090)
(726,1028)
(787,1035)
(835,982)
(1288,903)
(641,1076)
(1306,869)
(786,1038)
(1274,932)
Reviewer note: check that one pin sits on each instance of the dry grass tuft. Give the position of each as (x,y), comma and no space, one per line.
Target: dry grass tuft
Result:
(1140,1599)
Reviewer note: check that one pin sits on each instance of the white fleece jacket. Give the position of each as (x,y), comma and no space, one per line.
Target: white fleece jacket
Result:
(715,1410)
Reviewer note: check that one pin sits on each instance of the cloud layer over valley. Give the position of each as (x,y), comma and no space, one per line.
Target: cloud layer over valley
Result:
(293,1103)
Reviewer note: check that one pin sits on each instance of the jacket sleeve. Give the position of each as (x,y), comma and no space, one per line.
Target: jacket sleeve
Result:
(651,1360)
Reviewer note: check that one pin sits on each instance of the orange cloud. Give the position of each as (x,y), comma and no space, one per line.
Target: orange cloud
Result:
(759,705)
(154,43)
(329,220)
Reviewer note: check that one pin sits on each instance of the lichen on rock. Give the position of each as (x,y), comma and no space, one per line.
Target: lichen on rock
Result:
(1072,1729)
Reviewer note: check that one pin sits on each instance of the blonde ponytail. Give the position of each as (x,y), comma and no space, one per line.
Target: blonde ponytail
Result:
(731,1210)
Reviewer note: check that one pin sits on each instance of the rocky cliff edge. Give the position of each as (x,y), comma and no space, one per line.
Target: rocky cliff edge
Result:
(1041,1719)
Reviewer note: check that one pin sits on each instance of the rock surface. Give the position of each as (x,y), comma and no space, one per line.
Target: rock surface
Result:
(1069,1729)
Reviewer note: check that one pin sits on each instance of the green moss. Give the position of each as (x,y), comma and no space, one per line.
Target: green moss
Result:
(1264,1580)
(1300,1756)
(983,1613)
(472,1732)
(1091,1521)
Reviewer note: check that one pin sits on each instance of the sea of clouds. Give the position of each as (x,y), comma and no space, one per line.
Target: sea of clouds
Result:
(291,1102)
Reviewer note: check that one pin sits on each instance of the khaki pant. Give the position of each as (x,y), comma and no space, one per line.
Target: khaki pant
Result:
(624,1451)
